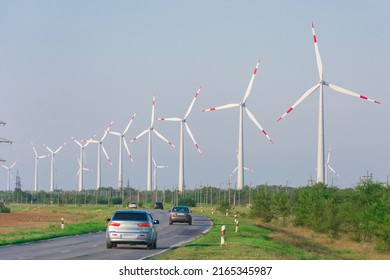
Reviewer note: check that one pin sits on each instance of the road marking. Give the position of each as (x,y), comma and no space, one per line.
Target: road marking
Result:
(65,251)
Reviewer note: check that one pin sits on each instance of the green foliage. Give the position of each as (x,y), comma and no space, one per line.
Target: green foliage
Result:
(4,209)
(262,205)
(222,206)
(187,202)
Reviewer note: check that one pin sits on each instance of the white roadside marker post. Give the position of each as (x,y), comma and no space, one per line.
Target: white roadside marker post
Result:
(227,212)
(223,228)
(62,223)
(237,225)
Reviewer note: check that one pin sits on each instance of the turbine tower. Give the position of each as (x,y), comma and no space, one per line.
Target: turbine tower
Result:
(242,106)
(100,149)
(183,122)
(149,131)
(122,140)
(9,175)
(81,164)
(37,158)
(320,85)
(53,153)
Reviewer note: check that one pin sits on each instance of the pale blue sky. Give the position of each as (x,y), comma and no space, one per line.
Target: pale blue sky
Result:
(67,68)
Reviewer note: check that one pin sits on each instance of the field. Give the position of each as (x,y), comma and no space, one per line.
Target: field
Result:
(254,240)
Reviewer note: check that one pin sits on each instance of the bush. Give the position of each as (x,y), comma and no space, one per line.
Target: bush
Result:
(4,209)
(187,202)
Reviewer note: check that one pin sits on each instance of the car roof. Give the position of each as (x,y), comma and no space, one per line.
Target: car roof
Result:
(132,211)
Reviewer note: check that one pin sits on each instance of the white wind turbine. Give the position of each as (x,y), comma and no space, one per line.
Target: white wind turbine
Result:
(149,131)
(9,174)
(329,167)
(37,158)
(84,168)
(53,153)
(81,164)
(122,141)
(155,174)
(183,122)
(320,84)
(100,149)
(242,106)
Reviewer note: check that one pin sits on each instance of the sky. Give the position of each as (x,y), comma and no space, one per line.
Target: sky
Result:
(69,68)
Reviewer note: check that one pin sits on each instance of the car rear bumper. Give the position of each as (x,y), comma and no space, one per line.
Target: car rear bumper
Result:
(180,219)
(129,238)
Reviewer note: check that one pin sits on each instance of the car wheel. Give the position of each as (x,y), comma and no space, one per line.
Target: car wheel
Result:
(190,223)
(155,244)
(170,222)
(109,245)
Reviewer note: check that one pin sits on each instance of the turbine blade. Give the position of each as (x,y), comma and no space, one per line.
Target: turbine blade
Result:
(328,159)
(318,57)
(114,133)
(235,169)
(250,115)
(330,167)
(248,169)
(163,138)
(106,131)
(227,106)
(348,92)
(59,149)
(44,145)
(192,137)
(154,162)
(303,97)
(105,153)
(77,142)
(248,90)
(139,135)
(153,104)
(192,103)
(35,151)
(170,119)
(12,165)
(127,149)
(127,127)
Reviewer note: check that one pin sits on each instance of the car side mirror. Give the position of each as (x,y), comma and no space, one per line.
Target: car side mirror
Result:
(169,211)
(156,222)
(107,220)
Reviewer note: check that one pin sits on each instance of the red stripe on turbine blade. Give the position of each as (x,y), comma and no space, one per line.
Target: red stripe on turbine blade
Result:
(315,38)
(363,97)
(289,110)
(212,109)
(279,119)
(255,71)
(161,119)
(197,146)
(377,102)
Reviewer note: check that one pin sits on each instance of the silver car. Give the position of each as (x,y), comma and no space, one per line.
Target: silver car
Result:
(133,227)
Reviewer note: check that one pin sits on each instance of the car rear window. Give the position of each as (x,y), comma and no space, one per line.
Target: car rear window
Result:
(180,209)
(129,217)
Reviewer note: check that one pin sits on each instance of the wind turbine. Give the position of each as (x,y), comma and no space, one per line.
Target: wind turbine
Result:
(329,167)
(52,153)
(9,174)
(37,158)
(183,122)
(100,149)
(150,130)
(242,106)
(122,140)
(84,168)
(320,84)
(155,174)
(81,164)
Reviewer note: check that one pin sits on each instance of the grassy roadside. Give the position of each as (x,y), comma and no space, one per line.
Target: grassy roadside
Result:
(256,241)
(43,222)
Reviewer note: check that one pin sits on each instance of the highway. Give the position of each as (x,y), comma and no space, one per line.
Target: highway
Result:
(93,246)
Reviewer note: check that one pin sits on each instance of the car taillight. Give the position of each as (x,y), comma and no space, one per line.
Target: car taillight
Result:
(173,214)
(144,225)
(114,224)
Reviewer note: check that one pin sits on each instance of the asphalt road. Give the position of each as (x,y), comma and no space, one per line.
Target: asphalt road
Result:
(93,246)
